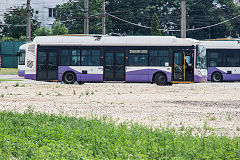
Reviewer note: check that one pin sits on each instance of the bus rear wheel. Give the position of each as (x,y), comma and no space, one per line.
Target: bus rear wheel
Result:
(217,77)
(160,79)
(69,78)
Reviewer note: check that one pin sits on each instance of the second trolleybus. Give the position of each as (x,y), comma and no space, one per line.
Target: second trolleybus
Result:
(223,57)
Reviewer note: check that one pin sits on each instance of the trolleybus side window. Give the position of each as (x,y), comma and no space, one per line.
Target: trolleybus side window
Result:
(90,58)
(159,58)
(21,60)
(217,59)
(65,58)
(70,57)
(138,57)
(233,59)
(75,58)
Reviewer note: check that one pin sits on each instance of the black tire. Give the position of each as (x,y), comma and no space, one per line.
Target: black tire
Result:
(69,78)
(217,77)
(160,79)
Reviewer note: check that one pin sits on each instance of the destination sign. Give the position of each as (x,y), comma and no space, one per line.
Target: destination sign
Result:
(138,51)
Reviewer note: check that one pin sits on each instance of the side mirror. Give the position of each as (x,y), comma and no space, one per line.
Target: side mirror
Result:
(18,54)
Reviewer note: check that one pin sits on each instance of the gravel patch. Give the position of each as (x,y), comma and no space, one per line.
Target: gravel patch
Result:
(209,107)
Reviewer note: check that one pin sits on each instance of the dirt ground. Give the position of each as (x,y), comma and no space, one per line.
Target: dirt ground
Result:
(210,107)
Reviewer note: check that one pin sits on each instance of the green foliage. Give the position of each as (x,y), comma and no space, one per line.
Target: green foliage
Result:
(155,26)
(71,14)
(42,136)
(42,31)
(59,29)
(16,23)
(5,39)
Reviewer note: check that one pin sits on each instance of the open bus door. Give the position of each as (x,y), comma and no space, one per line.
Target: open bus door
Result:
(183,66)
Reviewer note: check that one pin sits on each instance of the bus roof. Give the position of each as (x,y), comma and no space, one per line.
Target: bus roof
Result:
(102,40)
(23,46)
(222,44)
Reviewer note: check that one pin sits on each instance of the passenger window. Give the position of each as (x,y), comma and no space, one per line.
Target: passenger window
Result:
(138,60)
(75,58)
(90,58)
(65,58)
(159,58)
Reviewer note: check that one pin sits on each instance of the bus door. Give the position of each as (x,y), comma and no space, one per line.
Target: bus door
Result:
(114,66)
(183,66)
(47,68)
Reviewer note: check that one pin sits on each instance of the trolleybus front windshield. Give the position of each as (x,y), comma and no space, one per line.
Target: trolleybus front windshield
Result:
(21,58)
(201,59)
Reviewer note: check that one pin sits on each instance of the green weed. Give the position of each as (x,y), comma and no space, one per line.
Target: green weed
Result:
(213,118)
(41,136)
(229,116)
(238,128)
(2,95)
(16,85)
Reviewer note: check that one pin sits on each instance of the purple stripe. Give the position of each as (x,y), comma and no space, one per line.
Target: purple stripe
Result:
(21,72)
(137,78)
(200,79)
(231,77)
(145,75)
(226,77)
(30,76)
(80,77)
(91,77)
(214,69)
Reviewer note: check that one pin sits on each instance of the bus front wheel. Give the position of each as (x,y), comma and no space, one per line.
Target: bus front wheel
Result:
(69,78)
(160,79)
(217,77)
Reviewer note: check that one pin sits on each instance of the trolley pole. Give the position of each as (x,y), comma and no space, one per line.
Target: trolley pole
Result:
(28,36)
(183,18)
(86,16)
(103,18)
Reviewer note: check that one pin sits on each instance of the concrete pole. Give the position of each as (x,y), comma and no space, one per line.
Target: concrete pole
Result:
(28,21)
(86,17)
(103,18)
(183,18)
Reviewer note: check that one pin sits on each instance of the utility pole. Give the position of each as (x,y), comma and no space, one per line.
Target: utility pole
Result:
(86,17)
(183,18)
(103,18)
(28,21)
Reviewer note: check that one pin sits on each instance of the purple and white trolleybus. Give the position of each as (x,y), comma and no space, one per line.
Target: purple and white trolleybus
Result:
(223,60)
(154,59)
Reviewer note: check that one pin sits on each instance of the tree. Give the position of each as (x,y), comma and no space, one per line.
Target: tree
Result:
(59,29)
(42,31)
(15,23)
(199,14)
(155,26)
(71,14)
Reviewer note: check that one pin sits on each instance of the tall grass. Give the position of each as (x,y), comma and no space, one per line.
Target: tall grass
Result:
(42,136)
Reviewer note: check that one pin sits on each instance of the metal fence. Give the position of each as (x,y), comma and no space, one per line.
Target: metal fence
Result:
(8,53)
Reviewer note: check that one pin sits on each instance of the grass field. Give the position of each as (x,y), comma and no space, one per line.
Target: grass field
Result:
(8,71)
(42,136)
(4,80)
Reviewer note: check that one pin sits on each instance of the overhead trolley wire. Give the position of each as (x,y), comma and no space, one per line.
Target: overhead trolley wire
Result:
(172,30)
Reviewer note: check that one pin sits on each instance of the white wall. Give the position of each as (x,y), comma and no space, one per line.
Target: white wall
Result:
(38,5)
